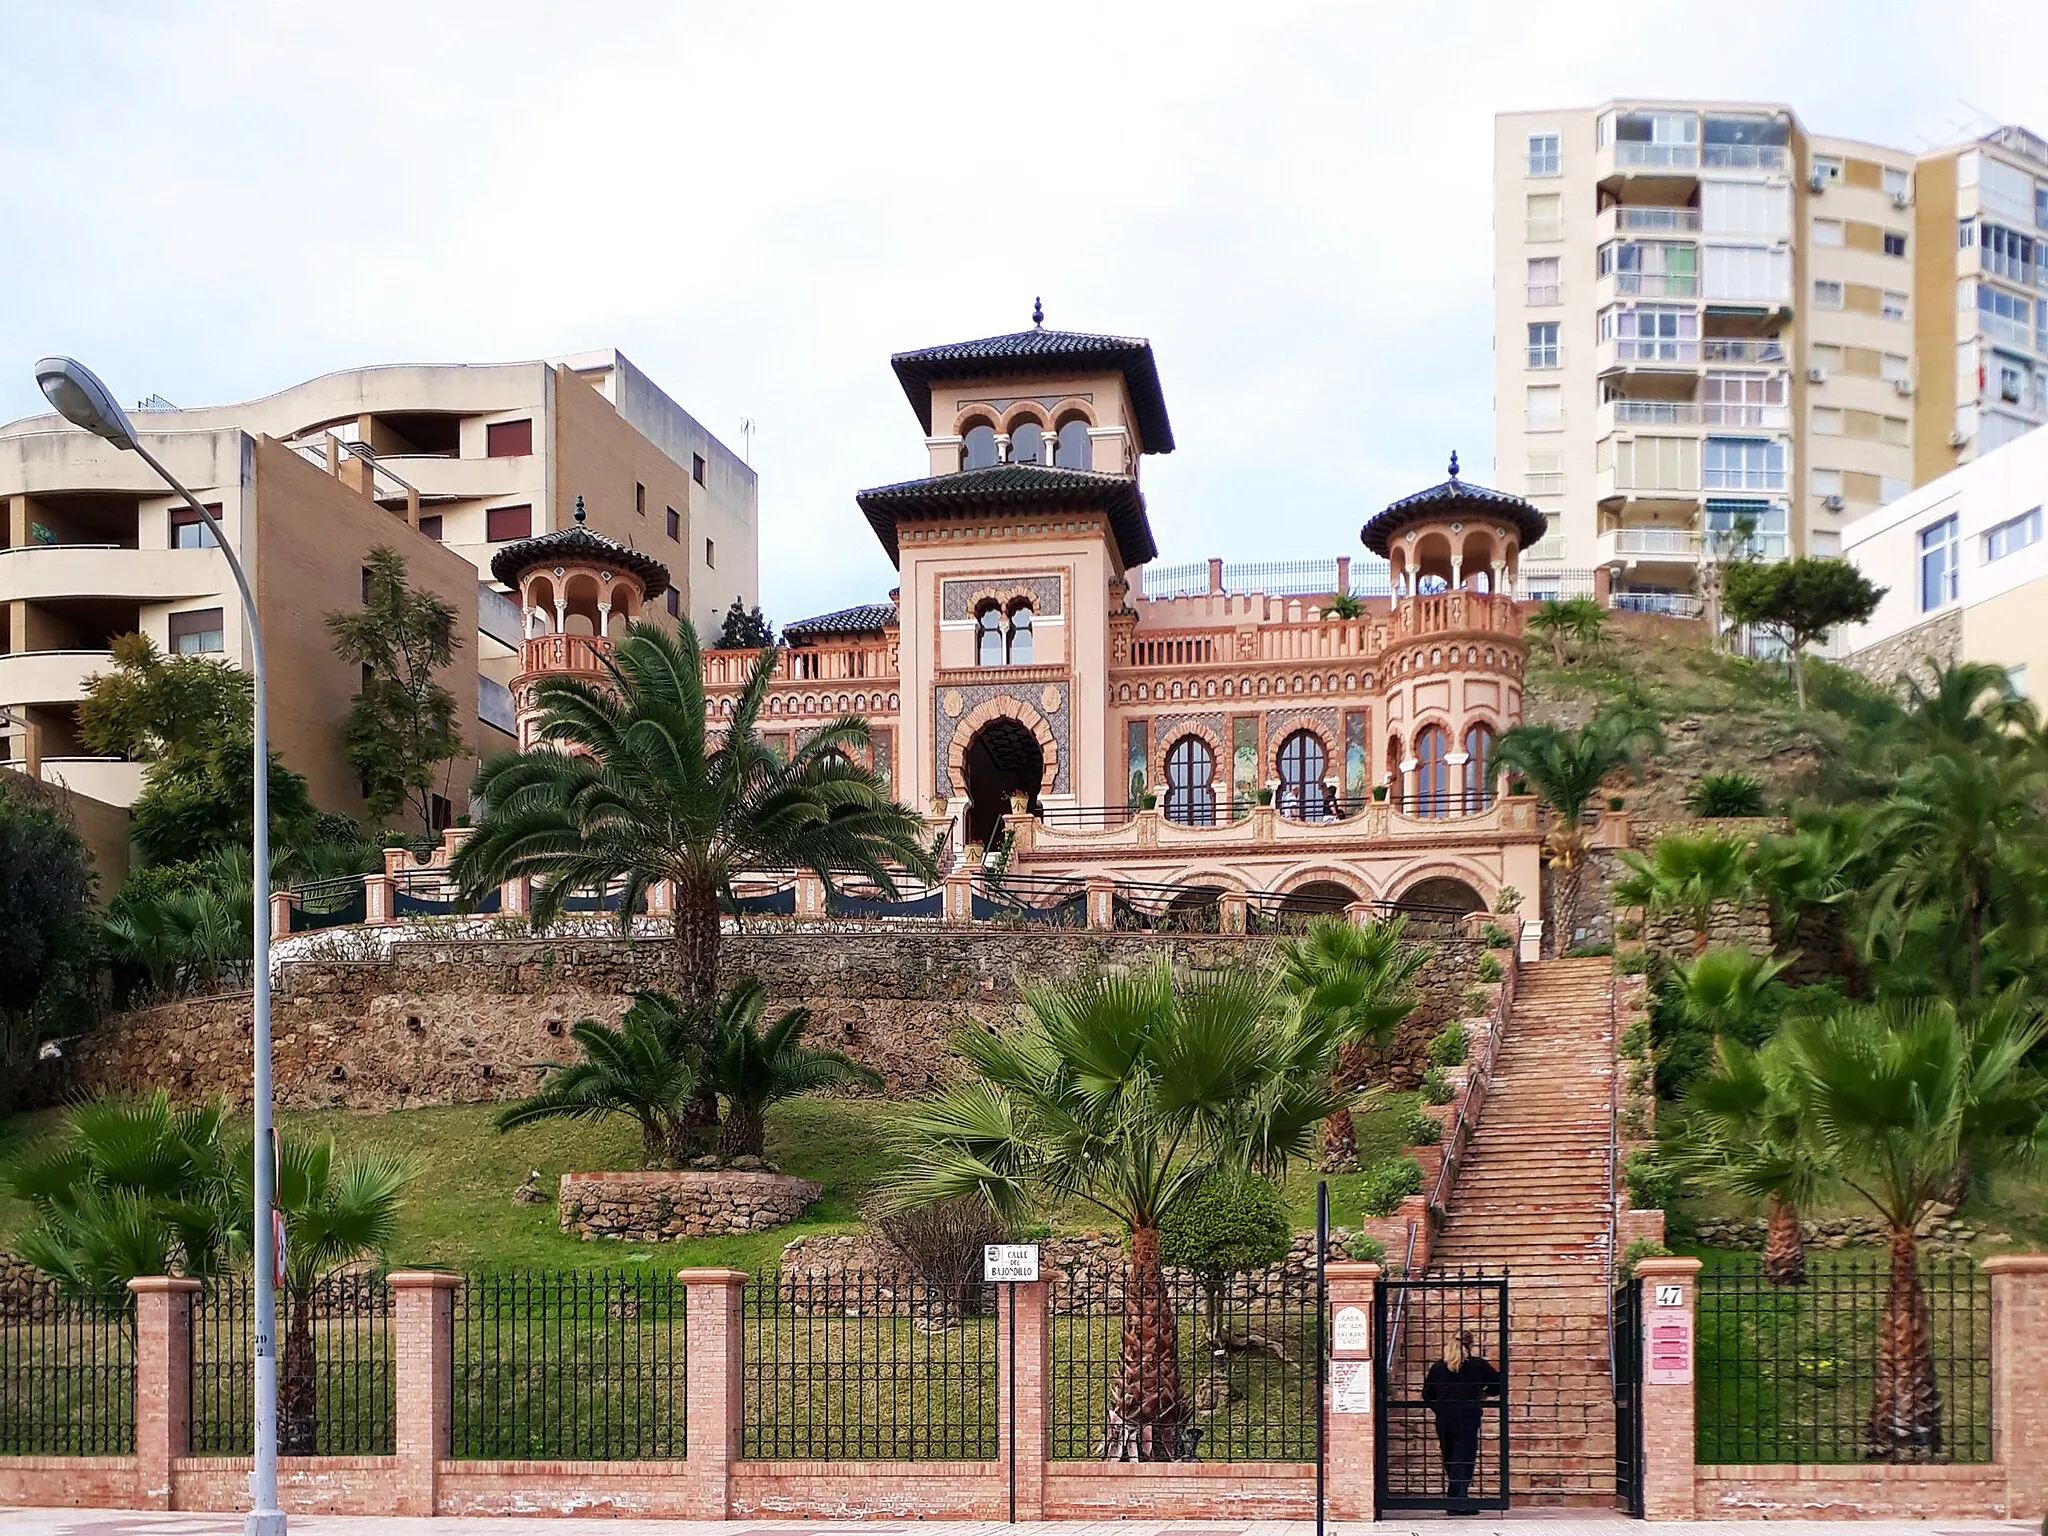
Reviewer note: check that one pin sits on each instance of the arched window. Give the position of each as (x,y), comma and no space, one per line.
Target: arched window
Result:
(1433,772)
(1478,768)
(1020,635)
(1302,765)
(1027,443)
(1076,451)
(989,640)
(1190,783)
(978,448)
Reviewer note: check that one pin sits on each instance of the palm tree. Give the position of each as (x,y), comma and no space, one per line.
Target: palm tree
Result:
(1810,878)
(651,1067)
(1890,1097)
(1356,981)
(754,1068)
(1567,769)
(1689,876)
(335,1213)
(1578,619)
(1122,1092)
(639,792)
(1743,1136)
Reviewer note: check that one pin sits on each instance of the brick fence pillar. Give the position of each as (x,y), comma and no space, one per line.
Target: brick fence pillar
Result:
(1034,1368)
(1230,911)
(713,1408)
(2019,1367)
(958,888)
(1668,1472)
(379,899)
(423,1369)
(163,1382)
(280,915)
(1101,901)
(1348,1489)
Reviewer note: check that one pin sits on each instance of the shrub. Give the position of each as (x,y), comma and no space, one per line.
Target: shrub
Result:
(942,1241)
(1436,1088)
(1642,1248)
(1635,1040)
(1423,1130)
(1364,1248)
(1590,951)
(1726,794)
(1633,962)
(1383,1186)
(1490,968)
(1628,928)
(1229,1224)
(1651,1186)
(1449,1047)
(1495,937)
(1477,1001)
(1617,803)
(1509,901)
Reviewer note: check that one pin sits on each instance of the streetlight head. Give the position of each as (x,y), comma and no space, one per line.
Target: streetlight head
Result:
(84,401)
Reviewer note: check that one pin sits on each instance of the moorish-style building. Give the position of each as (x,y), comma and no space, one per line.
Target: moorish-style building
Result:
(1317,749)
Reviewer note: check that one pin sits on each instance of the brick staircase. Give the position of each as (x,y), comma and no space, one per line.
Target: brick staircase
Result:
(1532,1198)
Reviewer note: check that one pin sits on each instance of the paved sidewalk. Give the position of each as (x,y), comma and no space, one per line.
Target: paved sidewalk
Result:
(118,1522)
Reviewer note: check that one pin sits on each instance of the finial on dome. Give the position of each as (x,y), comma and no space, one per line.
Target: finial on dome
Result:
(1038,314)
(579,499)
(1454,465)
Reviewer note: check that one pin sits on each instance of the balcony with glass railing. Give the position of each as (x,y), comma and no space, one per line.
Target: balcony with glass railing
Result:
(1647,546)
(2011,333)
(1743,478)
(1619,219)
(1746,157)
(1669,605)
(1621,353)
(1744,349)
(1543,483)
(1674,483)
(1545,295)
(1647,285)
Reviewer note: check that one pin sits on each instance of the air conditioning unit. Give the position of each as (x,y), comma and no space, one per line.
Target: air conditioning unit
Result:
(1958,439)
(1817,182)
(1903,386)
(1902,200)
(1833,503)
(1816,375)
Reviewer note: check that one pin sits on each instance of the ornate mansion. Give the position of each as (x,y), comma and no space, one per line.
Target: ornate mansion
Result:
(1064,718)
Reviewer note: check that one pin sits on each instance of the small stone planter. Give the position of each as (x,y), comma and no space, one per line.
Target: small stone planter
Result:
(667,1207)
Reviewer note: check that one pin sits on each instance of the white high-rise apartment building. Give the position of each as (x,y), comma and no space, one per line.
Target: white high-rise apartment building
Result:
(1711,325)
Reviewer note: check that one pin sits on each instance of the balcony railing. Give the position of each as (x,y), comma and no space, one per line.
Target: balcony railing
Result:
(1544,231)
(1543,421)
(1740,479)
(1649,544)
(1543,483)
(2012,332)
(1652,413)
(1545,295)
(1671,605)
(1649,219)
(1638,152)
(1656,285)
(1728,349)
(565,653)
(1747,157)
(1722,413)
(1633,351)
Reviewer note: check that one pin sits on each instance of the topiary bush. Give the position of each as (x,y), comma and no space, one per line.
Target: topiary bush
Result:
(1651,1186)
(1384,1185)
(1229,1224)
(1449,1047)
(1726,794)
(1436,1088)
(1490,968)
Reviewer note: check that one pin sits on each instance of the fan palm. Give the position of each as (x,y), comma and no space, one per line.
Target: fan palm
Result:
(650,1067)
(1580,620)
(1743,1136)
(335,1213)
(637,791)
(1567,769)
(1890,1098)
(1355,981)
(1813,874)
(755,1068)
(1688,875)
(1121,1092)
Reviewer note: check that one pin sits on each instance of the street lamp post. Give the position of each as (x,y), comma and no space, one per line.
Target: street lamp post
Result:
(84,401)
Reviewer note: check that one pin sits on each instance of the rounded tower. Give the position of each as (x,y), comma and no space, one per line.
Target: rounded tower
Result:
(1455,654)
(577,591)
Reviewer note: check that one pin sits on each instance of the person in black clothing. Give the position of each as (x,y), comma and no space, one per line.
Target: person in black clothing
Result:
(1456,1389)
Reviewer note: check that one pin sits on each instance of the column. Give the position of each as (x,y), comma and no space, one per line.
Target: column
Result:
(1669,1287)
(1408,767)
(1455,782)
(423,1361)
(379,905)
(713,1405)
(2019,1364)
(1349,1398)
(1101,902)
(1034,1372)
(163,1382)
(1358,914)
(1230,911)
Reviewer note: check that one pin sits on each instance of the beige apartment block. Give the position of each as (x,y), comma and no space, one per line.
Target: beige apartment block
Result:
(1708,336)
(444,464)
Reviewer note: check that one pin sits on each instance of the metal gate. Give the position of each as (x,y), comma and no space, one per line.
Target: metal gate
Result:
(1443,1438)
(1627,1355)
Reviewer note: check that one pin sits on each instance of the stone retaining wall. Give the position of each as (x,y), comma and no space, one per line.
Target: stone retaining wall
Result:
(1940,1233)
(458,1022)
(665,1207)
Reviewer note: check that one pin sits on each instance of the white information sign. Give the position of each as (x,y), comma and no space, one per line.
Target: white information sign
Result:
(1008,1263)
(1351,1386)
(1352,1331)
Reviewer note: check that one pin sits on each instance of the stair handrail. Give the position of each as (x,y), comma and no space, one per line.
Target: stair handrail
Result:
(1400,1304)
(1482,1072)
(1613,1159)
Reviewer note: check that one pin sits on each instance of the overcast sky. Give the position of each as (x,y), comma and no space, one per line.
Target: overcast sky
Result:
(759,203)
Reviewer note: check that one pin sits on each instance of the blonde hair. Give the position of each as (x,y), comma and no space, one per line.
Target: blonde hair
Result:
(1455,1353)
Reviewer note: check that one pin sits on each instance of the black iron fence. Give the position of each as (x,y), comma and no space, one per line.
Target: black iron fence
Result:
(570,1366)
(335,1368)
(67,1370)
(1222,1371)
(1803,1374)
(860,1367)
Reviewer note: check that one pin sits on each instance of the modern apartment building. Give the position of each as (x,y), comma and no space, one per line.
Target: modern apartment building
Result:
(445,464)
(1965,571)
(1713,326)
